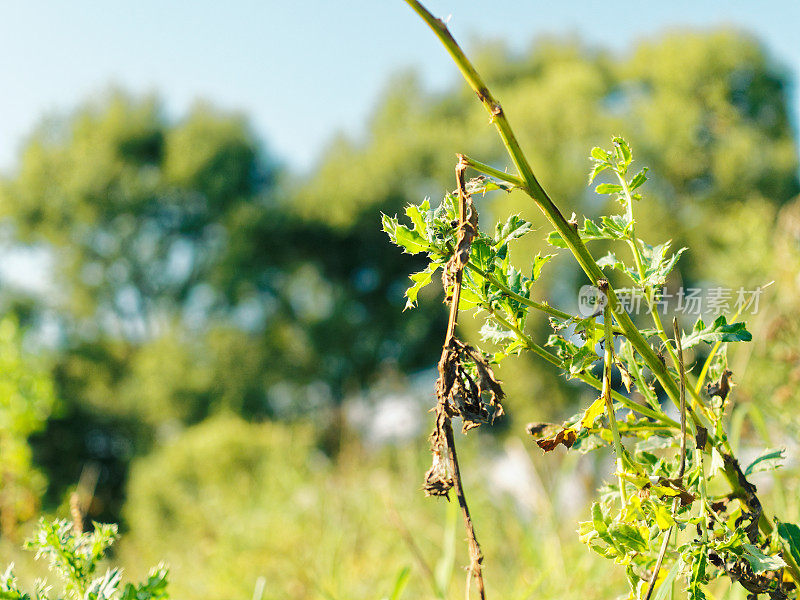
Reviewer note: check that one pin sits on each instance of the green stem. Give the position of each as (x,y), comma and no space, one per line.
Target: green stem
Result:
(545,308)
(585,377)
(612,418)
(704,371)
(641,384)
(492,172)
(540,306)
(662,332)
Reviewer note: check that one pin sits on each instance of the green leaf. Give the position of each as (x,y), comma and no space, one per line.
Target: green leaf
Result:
(555,239)
(719,331)
(615,227)
(599,523)
(598,168)
(624,150)
(481,254)
(769,461)
(539,261)
(515,227)
(155,588)
(611,260)
(698,576)
(417,219)
(790,534)
(600,154)
(761,562)
(628,536)
(608,188)
(664,518)
(638,179)
(657,264)
(493,332)
(469,299)
(400,582)
(590,415)
(420,279)
(411,241)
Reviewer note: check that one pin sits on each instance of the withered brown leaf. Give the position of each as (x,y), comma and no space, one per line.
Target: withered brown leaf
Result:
(722,387)
(548,435)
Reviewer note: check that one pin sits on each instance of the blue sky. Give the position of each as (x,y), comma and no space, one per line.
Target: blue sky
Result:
(306,69)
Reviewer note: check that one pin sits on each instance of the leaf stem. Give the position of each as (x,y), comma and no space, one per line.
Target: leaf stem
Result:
(585,377)
(496,173)
(648,291)
(540,306)
(612,418)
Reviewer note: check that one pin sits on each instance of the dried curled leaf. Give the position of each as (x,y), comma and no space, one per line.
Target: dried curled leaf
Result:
(722,387)
(674,488)
(438,480)
(467,386)
(548,435)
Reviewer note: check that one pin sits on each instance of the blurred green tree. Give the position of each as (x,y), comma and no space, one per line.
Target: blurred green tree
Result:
(26,401)
(184,285)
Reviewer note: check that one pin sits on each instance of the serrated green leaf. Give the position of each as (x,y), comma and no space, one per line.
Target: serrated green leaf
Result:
(598,168)
(600,154)
(657,264)
(698,576)
(555,239)
(615,227)
(481,254)
(417,219)
(611,260)
(411,241)
(638,179)
(420,280)
(624,150)
(469,299)
(493,332)
(761,562)
(628,536)
(719,331)
(590,230)
(539,261)
(768,461)
(515,227)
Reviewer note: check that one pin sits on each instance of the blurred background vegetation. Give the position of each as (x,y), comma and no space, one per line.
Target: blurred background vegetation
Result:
(223,362)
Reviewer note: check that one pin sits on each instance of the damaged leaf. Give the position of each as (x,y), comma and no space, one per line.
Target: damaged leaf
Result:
(555,435)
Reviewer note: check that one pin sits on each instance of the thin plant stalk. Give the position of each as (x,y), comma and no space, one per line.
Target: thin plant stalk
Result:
(612,418)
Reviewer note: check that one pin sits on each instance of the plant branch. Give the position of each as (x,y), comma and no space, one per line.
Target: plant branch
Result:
(475,554)
(608,363)
(456,266)
(585,377)
(496,173)
(543,201)
(665,544)
(540,306)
